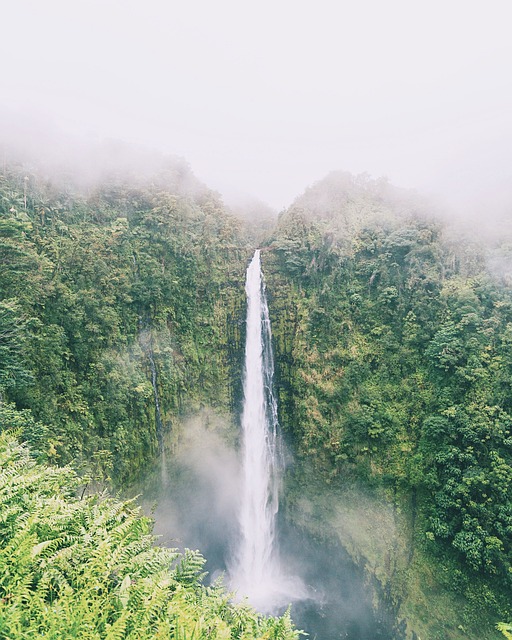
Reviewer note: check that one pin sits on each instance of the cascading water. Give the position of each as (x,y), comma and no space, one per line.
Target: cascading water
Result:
(256,572)
(202,506)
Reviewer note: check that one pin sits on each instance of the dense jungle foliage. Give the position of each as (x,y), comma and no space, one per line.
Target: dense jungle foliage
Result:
(122,306)
(394,354)
(117,302)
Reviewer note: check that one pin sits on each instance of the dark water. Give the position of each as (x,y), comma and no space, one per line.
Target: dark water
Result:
(190,512)
(342,606)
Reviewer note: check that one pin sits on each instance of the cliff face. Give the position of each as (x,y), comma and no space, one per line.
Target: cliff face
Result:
(391,358)
(121,306)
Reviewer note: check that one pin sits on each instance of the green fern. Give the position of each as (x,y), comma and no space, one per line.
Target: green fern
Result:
(89,569)
(506,629)
(188,569)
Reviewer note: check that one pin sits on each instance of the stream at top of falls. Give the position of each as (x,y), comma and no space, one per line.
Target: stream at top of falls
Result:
(225,502)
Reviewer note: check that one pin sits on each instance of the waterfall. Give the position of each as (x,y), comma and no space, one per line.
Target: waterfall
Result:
(259,464)
(158,413)
(146,342)
(255,571)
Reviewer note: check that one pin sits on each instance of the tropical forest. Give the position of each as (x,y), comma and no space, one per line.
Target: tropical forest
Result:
(125,360)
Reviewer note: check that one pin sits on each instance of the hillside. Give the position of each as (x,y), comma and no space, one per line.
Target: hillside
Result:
(120,306)
(394,369)
(122,310)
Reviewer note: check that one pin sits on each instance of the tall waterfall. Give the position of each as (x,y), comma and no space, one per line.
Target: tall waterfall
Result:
(256,571)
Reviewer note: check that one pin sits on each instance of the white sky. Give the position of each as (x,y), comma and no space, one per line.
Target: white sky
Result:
(266,97)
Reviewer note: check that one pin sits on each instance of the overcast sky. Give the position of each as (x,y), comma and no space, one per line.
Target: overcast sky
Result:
(266,97)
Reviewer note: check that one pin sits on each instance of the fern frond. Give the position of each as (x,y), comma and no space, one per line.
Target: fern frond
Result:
(117,631)
(188,569)
(506,629)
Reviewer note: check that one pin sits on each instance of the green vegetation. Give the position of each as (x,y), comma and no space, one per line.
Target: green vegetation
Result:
(88,568)
(394,365)
(122,307)
(117,303)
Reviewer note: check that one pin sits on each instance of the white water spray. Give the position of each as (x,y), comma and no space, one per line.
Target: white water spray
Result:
(256,571)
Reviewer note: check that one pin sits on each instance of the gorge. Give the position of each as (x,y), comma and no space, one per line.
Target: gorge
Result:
(123,332)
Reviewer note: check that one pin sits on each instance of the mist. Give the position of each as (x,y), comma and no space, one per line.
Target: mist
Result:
(194,501)
(266,99)
(194,498)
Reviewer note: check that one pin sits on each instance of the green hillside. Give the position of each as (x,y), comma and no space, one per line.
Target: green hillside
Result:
(394,367)
(122,309)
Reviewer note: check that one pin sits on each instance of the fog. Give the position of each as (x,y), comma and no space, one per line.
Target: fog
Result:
(194,500)
(266,98)
(196,496)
